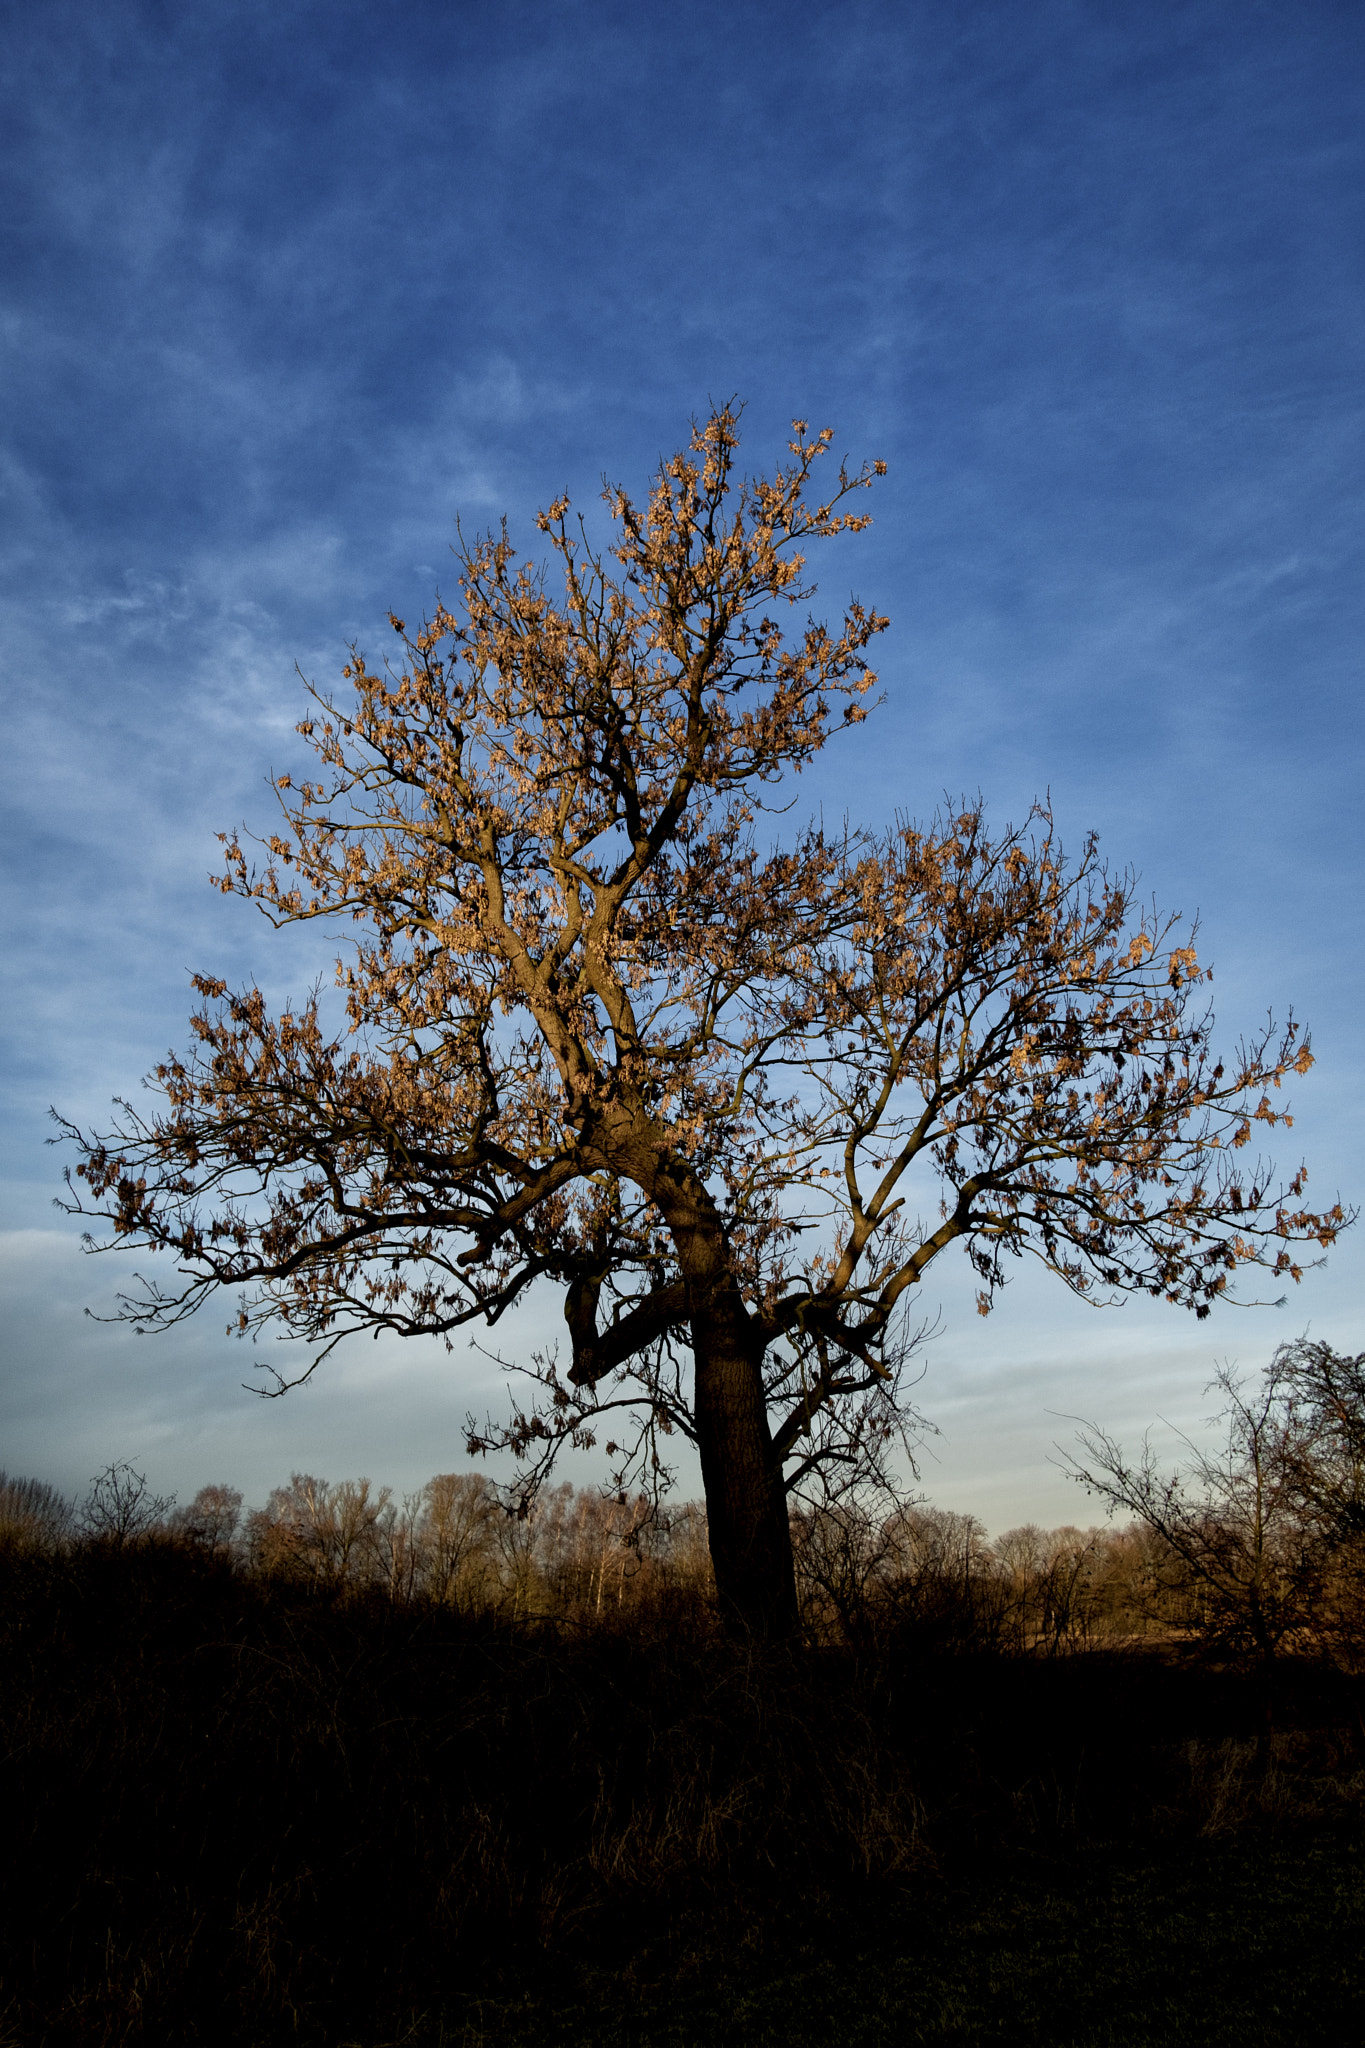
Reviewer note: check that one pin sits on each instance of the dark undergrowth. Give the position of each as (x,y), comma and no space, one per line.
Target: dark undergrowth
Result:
(235,1811)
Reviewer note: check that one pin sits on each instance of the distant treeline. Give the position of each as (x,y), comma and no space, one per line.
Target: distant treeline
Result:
(581,1558)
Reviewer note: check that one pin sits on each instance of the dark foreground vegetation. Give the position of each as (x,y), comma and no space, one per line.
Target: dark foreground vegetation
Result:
(268,1786)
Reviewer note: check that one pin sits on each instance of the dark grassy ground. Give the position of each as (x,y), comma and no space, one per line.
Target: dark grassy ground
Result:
(1244,1942)
(239,1813)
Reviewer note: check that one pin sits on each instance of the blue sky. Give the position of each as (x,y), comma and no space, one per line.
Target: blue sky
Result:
(287,287)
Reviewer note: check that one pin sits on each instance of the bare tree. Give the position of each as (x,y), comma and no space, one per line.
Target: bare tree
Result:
(210,1520)
(684,1556)
(121,1508)
(1326,1390)
(842,1547)
(732,1099)
(1050,1574)
(33,1514)
(1237,1529)
(329,1533)
(398,1546)
(456,1532)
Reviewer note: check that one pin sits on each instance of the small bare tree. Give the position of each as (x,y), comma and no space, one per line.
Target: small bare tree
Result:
(1237,1527)
(121,1509)
(1325,1390)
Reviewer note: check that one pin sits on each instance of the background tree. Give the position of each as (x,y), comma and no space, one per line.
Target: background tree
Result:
(211,1518)
(732,1098)
(33,1515)
(1266,1530)
(1326,1390)
(331,1534)
(458,1512)
(121,1508)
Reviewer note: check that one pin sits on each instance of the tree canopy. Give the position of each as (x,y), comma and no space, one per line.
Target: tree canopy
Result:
(731,1093)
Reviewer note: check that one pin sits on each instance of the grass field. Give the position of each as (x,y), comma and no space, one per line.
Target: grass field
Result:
(236,1813)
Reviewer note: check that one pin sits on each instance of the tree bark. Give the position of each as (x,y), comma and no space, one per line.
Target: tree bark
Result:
(746,1503)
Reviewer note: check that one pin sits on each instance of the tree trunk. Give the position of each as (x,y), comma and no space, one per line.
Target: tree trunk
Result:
(746,1504)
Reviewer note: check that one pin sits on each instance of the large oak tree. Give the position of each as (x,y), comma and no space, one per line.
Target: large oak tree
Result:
(731,1096)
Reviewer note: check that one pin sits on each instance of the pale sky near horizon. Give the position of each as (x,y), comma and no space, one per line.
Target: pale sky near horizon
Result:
(287,288)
